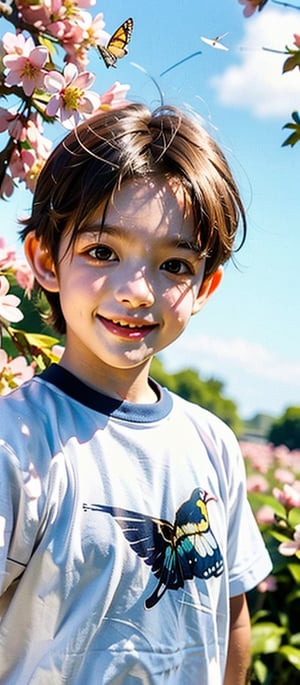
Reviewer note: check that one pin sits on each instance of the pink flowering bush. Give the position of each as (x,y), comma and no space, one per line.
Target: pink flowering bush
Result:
(22,353)
(273,481)
(36,91)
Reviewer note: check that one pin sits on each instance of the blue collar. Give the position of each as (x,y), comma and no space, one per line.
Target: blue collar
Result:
(109,406)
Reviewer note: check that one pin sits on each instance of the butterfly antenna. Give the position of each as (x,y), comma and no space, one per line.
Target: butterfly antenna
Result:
(140,68)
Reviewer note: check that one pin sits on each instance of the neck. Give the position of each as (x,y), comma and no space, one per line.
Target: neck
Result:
(125,384)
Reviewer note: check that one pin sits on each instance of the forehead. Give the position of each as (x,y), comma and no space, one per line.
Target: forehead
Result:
(154,201)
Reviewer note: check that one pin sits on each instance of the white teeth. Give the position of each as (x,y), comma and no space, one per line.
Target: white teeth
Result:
(127,325)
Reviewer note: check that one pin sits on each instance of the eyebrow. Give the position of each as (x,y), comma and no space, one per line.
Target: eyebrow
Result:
(178,242)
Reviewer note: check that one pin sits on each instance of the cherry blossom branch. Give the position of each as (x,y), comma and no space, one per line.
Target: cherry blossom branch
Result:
(42,91)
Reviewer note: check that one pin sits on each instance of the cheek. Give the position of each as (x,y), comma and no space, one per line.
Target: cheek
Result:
(180,301)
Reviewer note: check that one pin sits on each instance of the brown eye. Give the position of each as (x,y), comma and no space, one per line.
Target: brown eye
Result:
(176,266)
(102,253)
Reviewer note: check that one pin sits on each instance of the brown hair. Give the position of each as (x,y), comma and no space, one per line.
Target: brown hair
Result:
(118,145)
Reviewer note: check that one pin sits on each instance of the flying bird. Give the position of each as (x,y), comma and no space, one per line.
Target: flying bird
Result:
(176,551)
(215,42)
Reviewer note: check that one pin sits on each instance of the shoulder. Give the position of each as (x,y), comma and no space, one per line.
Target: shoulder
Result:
(25,414)
(215,437)
(23,400)
(210,427)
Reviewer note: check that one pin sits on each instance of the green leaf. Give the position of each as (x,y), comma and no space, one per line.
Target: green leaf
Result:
(260,670)
(294,137)
(47,43)
(39,340)
(262,613)
(291,62)
(291,654)
(295,639)
(296,117)
(259,499)
(266,638)
(294,517)
(294,569)
(35,346)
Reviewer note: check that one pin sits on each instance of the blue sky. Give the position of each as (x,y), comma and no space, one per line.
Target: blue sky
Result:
(248,335)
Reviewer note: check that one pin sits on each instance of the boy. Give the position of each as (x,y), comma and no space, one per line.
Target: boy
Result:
(128,543)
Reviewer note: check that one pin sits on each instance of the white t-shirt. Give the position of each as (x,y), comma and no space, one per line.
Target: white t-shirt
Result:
(124,531)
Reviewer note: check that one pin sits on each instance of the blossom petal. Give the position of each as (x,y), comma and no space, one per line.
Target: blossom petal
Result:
(288,548)
(38,57)
(70,72)
(84,80)
(53,105)
(54,81)
(4,285)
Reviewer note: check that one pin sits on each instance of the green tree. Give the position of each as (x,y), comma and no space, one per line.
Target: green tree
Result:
(208,394)
(286,429)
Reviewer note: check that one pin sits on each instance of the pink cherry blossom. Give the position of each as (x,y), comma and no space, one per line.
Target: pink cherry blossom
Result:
(75,46)
(13,372)
(42,14)
(9,303)
(85,4)
(7,255)
(257,483)
(297,40)
(21,162)
(289,497)
(35,136)
(265,515)
(25,62)
(269,584)
(114,97)
(11,122)
(293,546)
(93,28)
(69,97)
(250,6)
(260,456)
(24,277)
(284,476)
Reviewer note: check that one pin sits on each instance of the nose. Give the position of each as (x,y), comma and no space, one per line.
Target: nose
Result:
(135,291)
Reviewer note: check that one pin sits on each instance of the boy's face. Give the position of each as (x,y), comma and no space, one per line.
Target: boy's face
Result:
(128,290)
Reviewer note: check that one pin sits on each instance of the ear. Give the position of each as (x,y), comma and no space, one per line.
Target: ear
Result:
(41,263)
(208,287)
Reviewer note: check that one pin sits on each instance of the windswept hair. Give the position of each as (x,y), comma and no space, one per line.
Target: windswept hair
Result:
(92,162)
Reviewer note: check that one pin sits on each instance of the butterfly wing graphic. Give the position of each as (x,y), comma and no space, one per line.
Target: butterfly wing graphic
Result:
(117,44)
(176,552)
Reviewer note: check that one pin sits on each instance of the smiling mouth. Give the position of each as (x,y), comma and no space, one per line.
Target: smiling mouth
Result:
(127,329)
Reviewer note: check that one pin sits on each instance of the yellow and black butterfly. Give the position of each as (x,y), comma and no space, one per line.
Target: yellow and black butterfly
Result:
(117,44)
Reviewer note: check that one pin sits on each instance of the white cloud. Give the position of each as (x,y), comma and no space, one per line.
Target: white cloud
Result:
(257,378)
(256,82)
(215,354)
